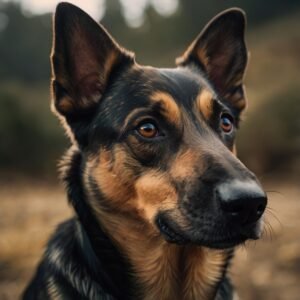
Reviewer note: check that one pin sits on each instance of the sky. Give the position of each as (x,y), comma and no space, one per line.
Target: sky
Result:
(133,10)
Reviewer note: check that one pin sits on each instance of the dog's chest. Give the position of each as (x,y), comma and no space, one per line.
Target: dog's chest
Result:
(179,273)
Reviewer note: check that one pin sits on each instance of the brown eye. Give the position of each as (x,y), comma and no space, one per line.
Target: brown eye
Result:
(147,130)
(226,122)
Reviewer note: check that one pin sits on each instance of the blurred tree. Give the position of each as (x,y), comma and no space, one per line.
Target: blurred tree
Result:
(24,45)
(27,127)
(26,40)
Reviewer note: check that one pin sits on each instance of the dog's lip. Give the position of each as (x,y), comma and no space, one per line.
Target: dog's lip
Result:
(169,233)
(175,237)
(172,234)
(252,232)
(232,240)
(224,243)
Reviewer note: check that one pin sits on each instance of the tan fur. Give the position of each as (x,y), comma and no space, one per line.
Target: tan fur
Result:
(154,192)
(170,109)
(202,270)
(156,264)
(204,103)
(184,165)
(164,271)
(113,178)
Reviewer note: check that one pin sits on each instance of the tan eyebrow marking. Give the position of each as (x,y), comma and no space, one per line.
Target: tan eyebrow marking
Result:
(204,103)
(170,108)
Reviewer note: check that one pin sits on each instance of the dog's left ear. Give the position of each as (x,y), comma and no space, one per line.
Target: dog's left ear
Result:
(220,52)
(83,57)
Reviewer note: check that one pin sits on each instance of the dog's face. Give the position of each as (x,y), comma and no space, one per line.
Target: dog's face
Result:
(158,144)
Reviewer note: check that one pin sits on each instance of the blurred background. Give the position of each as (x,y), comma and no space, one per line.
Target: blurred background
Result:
(32,201)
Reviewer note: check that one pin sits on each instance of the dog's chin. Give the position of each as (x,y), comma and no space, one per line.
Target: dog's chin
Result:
(173,234)
(228,243)
(233,238)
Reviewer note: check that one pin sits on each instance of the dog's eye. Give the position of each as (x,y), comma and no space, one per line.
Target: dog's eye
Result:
(147,130)
(226,122)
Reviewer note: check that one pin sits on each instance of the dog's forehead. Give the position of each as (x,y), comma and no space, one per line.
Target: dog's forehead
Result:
(182,84)
(141,83)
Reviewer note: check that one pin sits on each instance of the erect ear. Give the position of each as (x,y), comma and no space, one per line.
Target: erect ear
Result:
(220,52)
(83,57)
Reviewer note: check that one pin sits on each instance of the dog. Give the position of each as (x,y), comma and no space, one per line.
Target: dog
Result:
(160,198)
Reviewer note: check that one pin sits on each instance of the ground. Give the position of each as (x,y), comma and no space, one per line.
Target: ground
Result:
(266,269)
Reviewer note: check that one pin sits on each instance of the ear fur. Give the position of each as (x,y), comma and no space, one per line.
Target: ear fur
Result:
(83,57)
(220,52)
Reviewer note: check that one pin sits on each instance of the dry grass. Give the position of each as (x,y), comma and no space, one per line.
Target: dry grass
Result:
(267,269)
(28,215)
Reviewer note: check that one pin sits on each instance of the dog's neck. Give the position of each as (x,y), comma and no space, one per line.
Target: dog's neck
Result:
(167,271)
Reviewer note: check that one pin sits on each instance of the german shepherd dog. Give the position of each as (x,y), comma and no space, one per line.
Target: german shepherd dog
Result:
(160,197)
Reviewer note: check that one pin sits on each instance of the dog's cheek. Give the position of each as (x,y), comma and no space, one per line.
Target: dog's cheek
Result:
(186,165)
(154,193)
(114,177)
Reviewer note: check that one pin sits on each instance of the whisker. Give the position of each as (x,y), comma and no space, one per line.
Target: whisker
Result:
(272,213)
(268,231)
(274,192)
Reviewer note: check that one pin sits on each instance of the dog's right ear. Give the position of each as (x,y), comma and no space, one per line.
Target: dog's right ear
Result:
(83,57)
(220,53)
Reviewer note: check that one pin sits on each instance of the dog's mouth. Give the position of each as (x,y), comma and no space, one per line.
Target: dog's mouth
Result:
(172,234)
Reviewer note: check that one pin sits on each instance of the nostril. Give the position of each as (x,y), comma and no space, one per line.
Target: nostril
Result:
(235,209)
(261,209)
(243,210)
(261,206)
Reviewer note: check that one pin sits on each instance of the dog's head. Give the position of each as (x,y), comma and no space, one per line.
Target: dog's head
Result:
(158,144)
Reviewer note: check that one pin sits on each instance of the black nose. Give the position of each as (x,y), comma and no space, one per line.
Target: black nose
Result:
(242,201)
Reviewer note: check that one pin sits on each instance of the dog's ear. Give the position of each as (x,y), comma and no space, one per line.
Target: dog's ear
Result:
(220,52)
(83,57)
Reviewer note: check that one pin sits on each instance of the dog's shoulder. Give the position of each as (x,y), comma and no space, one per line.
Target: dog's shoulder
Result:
(67,268)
